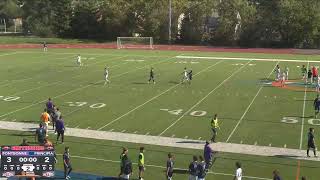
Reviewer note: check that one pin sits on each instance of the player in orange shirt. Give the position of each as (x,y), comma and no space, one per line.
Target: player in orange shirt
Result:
(45,119)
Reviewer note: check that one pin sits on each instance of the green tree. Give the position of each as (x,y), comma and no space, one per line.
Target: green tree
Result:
(62,14)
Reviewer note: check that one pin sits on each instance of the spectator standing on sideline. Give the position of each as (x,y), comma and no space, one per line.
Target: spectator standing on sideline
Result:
(67,163)
(141,163)
(127,167)
(311,143)
(170,164)
(60,128)
(208,153)
(238,175)
(214,126)
(24,142)
(193,168)
(201,169)
(40,134)
(276,175)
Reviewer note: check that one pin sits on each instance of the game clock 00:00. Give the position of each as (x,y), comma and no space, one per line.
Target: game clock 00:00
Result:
(27,160)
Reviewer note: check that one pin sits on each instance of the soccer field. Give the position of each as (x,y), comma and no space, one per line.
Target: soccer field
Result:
(252,109)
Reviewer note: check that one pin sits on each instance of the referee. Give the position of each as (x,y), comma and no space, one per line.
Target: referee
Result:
(214,126)
(141,163)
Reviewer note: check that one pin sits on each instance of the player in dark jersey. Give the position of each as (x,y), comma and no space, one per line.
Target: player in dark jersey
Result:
(67,163)
(311,143)
(40,134)
(190,73)
(316,105)
(151,76)
(193,168)
(170,164)
(309,76)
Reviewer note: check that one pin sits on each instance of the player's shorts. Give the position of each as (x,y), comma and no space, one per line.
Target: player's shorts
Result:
(317,108)
(141,168)
(193,177)
(67,167)
(126,176)
(214,130)
(106,77)
(170,174)
(311,145)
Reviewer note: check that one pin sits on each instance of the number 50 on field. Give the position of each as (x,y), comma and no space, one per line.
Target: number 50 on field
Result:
(295,120)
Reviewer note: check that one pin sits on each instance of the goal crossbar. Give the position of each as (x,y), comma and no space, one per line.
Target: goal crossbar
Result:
(134,42)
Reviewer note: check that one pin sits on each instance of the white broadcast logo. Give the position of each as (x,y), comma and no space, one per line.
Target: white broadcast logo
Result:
(28,167)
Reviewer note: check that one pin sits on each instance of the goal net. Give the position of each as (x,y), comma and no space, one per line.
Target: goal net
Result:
(135,42)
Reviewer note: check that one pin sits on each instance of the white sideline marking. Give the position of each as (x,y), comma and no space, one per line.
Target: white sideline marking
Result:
(173,135)
(111,130)
(243,59)
(303,111)
(8,54)
(195,105)
(186,137)
(147,133)
(162,167)
(135,132)
(123,131)
(154,97)
(88,127)
(74,90)
(245,112)
(199,138)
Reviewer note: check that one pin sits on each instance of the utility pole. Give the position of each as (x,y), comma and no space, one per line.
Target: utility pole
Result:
(170,20)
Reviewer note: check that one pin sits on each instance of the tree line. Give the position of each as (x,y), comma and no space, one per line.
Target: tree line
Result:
(248,23)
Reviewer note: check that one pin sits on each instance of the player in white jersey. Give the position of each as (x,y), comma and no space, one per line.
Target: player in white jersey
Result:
(238,175)
(283,79)
(286,70)
(79,63)
(278,73)
(185,76)
(106,76)
(318,85)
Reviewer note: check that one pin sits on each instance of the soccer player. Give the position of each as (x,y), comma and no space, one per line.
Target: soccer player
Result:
(185,75)
(276,175)
(201,168)
(45,47)
(318,85)
(141,163)
(208,155)
(170,164)
(67,163)
(283,79)
(106,75)
(50,106)
(314,74)
(238,175)
(127,168)
(122,155)
(304,73)
(286,70)
(316,105)
(40,134)
(79,63)
(309,76)
(45,119)
(151,76)
(214,126)
(311,143)
(278,73)
(190,73)
(193,169)
(60,128)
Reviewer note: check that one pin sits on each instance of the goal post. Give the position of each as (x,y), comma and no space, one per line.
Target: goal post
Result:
(134,42)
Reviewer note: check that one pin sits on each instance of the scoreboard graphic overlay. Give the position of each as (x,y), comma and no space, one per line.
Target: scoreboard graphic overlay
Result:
(27,160)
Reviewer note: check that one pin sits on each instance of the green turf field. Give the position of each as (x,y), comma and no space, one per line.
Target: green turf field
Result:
(102,158)
(250,109)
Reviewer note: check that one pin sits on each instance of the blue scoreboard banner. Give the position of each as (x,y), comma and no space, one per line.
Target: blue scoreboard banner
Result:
(27,160)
